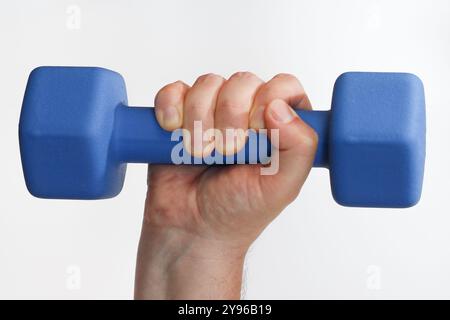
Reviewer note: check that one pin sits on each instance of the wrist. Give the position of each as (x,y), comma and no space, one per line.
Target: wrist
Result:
(175,264)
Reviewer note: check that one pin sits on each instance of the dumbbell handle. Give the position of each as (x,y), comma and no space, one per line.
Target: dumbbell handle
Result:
(138,138)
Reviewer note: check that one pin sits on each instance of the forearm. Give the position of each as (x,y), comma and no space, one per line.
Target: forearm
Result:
(173,264)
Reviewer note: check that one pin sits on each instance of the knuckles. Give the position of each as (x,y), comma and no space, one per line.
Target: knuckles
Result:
(243,75)
(174,89)
(176,86)
(210,78)
(285,77)
(277,86)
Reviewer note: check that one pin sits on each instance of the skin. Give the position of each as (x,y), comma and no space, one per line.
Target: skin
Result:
(199,221)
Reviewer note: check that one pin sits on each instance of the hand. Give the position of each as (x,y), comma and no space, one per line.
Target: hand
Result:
(199,221)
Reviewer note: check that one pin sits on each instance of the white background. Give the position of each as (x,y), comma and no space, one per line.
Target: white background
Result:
(315,249)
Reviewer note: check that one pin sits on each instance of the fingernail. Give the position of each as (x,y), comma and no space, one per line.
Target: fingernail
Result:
(280,111)
(257,118)
(170,117)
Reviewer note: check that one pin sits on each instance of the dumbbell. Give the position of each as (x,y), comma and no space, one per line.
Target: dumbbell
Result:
(77,134)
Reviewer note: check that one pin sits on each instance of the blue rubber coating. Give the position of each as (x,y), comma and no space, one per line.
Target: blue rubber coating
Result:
(132,145)
(136,129)
(377,139)
(77,133)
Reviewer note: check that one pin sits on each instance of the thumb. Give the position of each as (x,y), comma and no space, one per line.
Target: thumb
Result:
(294,147)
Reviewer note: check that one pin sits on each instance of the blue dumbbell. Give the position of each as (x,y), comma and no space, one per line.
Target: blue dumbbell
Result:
(77,134)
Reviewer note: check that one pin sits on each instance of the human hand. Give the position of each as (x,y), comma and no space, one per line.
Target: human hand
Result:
(199,221)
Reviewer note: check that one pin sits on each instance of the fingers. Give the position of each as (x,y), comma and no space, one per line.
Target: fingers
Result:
(295,146)
(232,107)
(199,107)
(283,86)
(232,111)
(169,105)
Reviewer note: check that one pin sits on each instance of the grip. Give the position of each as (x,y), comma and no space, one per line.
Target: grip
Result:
(138,138)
